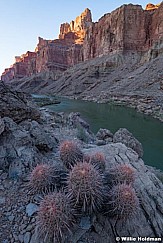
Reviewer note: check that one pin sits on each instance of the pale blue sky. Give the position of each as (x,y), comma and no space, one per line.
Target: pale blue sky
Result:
(22,21)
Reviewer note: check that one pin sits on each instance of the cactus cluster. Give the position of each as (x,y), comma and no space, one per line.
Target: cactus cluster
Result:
(55,217)
(84,192)
(70,153)
(85,187)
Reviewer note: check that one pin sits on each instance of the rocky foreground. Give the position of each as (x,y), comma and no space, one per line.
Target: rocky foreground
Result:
(30,136)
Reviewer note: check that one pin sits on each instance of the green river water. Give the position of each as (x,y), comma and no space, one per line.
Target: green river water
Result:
(147,130)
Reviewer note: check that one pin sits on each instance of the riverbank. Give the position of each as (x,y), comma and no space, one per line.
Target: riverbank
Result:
(148,105)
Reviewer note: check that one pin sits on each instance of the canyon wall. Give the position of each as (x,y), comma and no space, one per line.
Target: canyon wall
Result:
(53,55)
(127,29)
(25,65)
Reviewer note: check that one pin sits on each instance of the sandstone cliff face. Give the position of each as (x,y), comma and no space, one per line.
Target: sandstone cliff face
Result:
(76,29)
(61,53)
(57,55)
(53,55)
(8,74)
(25,65)
(156,32)
(128,29)
(104,36)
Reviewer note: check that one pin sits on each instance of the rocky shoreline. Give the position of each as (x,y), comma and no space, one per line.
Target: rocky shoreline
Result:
(147,105)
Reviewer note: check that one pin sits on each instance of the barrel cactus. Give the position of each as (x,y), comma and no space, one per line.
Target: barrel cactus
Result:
(122,201)
(122,173)
(43,178)
(70,153)
(98,160)
(85,187)
(55,217)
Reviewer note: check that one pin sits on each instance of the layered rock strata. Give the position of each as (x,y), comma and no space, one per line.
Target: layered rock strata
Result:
(53,55)
(128,29)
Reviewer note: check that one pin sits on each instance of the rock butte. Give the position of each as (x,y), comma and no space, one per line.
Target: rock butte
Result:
(128,28)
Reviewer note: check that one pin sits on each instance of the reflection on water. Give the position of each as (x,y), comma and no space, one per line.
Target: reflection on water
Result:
(147,130)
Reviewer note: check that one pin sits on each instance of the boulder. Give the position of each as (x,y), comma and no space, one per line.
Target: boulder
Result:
(43,140)
(149,218)
(127,138)
(75,119)
(22,146)
(83,129)
(104,134)
(15,105)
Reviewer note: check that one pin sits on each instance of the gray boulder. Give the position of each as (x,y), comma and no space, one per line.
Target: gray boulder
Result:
(83,129)
(104,134)
(127,138)
(75,119)
(43,140)
(23,146)
(15,105)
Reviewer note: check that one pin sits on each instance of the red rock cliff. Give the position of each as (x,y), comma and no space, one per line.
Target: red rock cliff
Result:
(128,28)
(76,29)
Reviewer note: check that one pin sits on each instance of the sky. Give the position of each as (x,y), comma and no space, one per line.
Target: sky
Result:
(23,21)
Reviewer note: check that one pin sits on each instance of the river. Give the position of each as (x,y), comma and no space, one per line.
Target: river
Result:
(147,130)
